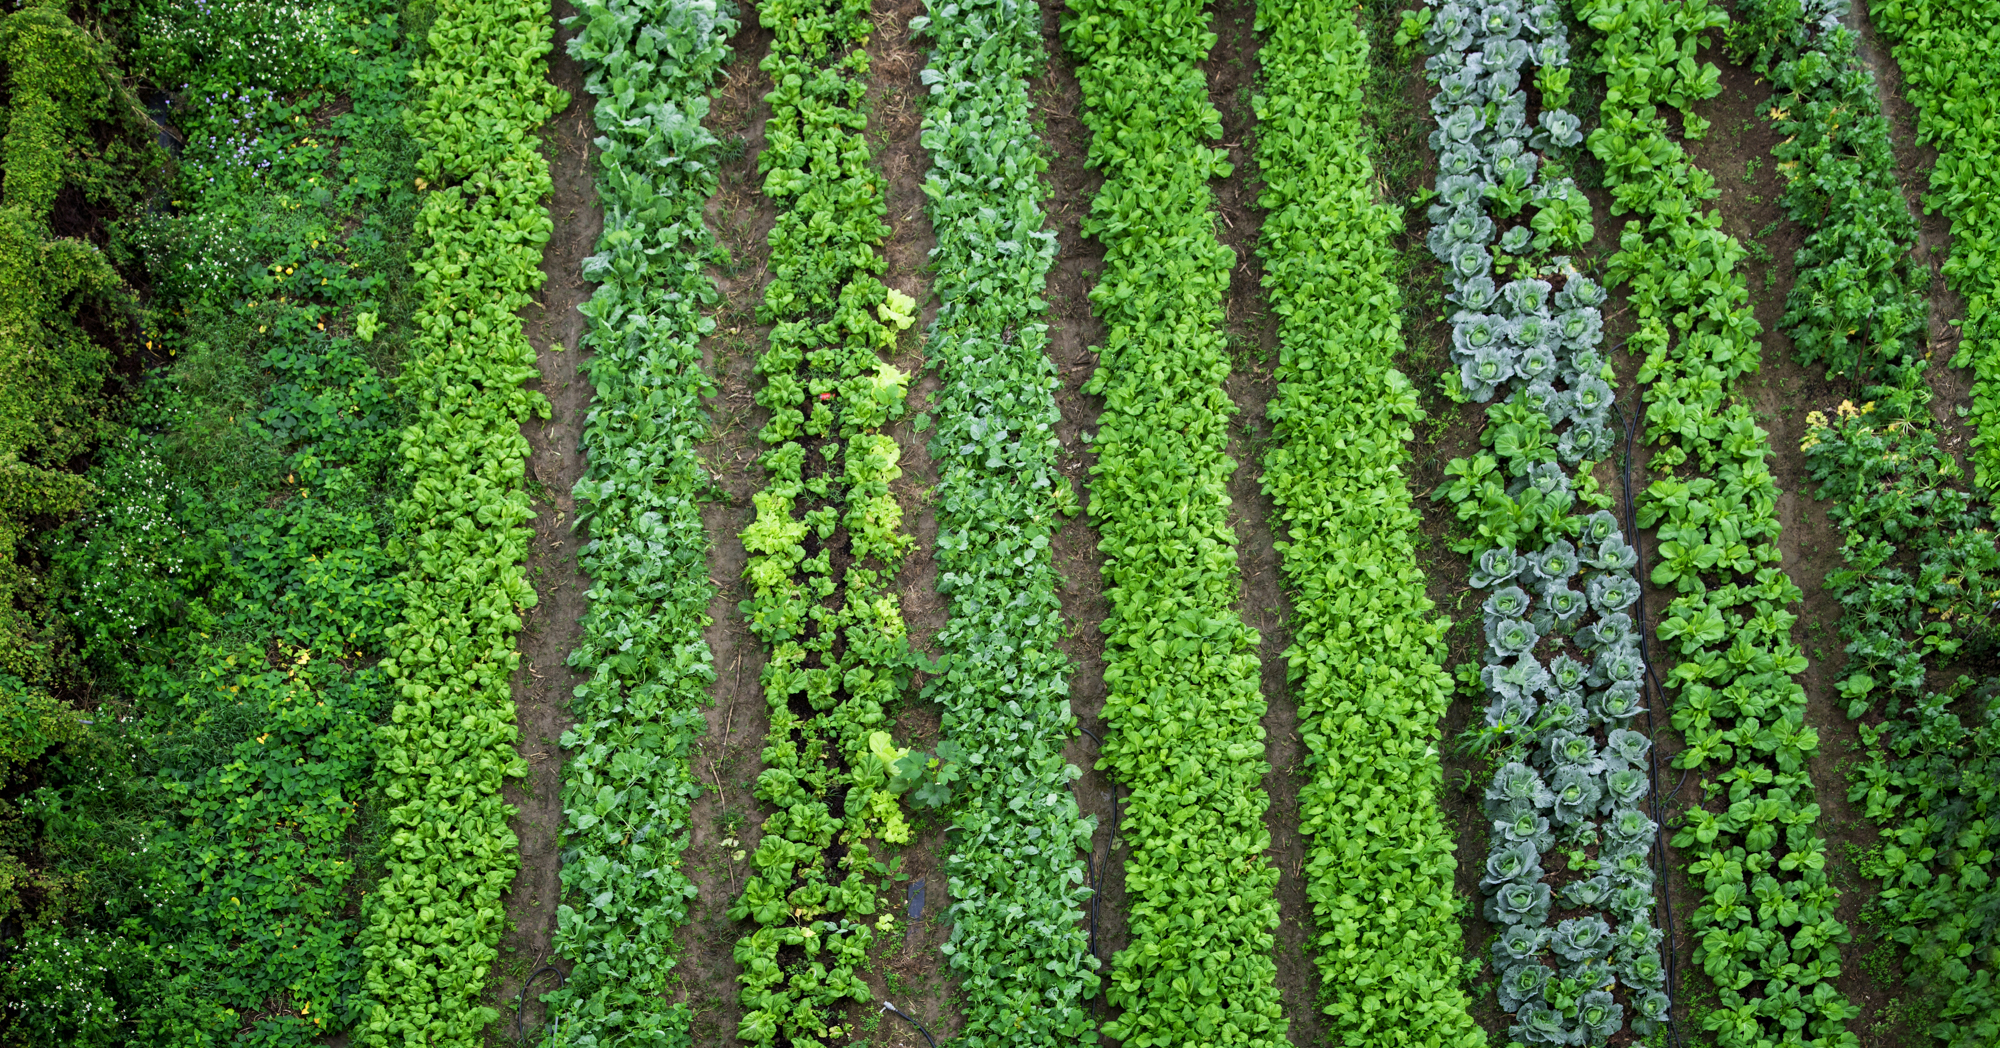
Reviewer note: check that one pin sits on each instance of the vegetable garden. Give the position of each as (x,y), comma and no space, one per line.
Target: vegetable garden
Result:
(821,523)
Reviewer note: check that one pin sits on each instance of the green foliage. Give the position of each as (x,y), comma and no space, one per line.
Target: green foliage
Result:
(839,651)
(1180,665)
(101,990)
(1736,699)
(1948,55)
(1365,663)
(1916,597)
(626,781)
(435,920)
(1859,302)
(1017,947)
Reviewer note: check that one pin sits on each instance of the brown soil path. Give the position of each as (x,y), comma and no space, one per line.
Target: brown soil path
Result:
(544,682)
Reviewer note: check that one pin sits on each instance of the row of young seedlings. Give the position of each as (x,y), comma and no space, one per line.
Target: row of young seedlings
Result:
(825,543)
(1569,874)
(435,919)
(1181,668)
(1365,664)
(627,785)
(1018,884)
(1769,937)
(1922,570)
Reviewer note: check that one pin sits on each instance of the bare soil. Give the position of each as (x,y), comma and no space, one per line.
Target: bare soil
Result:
(543,685)
(1074,333)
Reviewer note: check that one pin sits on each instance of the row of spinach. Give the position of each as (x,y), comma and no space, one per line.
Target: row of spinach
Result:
(1018,947)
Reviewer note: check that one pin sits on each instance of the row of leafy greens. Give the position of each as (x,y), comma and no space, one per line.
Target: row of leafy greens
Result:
(435,919)
(1918,585)
(1021,956)
(627,785)
(1947,52)
(826,542)
(1569,875)
(1769,936)
(1181,667)
(1364,666)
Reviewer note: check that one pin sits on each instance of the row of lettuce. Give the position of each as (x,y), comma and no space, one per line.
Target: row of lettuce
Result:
(1570,872)
(838,649)
(1365,663)
(1183,706)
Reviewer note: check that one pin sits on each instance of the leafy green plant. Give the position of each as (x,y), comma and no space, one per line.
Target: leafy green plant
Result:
(1946,51)
(626,781)
(1921,575)
(1859,301)
(839,650)
(435,920)
(1769,940)
(1365,664)
(1017,947)
(1181,668)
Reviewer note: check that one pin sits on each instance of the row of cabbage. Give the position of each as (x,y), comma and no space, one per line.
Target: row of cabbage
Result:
(627,785)
(1365,662)
(1020,953)
(1769,937)
(838,648)
(1920,562)
(435,919)
(1949,55)
(1181,667)
(1569,873)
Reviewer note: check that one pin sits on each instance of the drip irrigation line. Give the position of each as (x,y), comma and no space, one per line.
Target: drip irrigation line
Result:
(887,1007)
(1090,856)
(1659,848)
(521,1005)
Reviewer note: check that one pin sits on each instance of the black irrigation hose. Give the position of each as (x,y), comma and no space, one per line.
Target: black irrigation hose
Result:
(521,1005)
(1089,857)
(887,1007)
(1652,752)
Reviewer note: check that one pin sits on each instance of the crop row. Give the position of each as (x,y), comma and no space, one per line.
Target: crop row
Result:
(1569,872)
(1921,572)
(1947,52)
(1181,668)
(831,769)
(1021,956)
(1769,937)
(1364,665)
(627,786)
(435,918)
(1857,304)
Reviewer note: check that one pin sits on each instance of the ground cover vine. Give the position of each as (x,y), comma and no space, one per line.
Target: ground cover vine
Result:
(1769,938)
(627,785)
(1181,666)
(1017,891)
(435,919)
